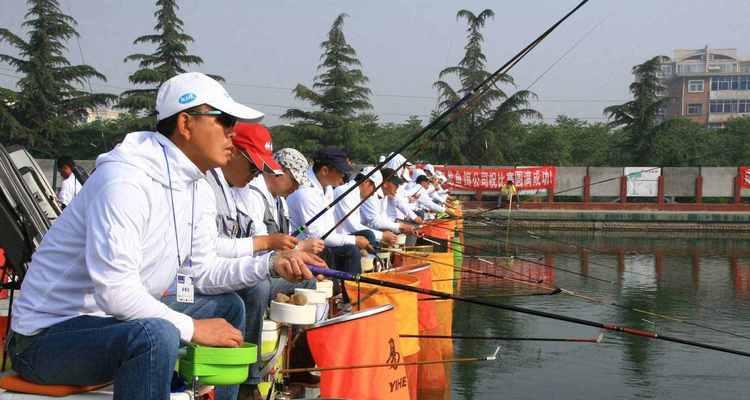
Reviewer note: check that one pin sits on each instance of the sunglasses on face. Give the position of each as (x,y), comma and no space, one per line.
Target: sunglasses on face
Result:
(254,171)
(222,118)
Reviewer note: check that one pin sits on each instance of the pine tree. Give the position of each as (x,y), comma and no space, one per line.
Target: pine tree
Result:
(339,94)
(475,136)
(170,58)
(639,117)
(50,99)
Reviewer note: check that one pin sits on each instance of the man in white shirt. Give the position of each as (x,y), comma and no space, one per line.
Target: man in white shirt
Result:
(375,210)
(91,311)
(70,186)
(349,212)
(330,166)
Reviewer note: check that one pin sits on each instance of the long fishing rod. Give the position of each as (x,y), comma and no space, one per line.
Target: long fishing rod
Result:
(516,244)
(596,340)
(492,357)
(572,293)
(470,95)
(483,260)
(472,271)
(524,310)
(611,282)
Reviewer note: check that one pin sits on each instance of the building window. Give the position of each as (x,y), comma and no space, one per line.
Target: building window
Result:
(729,106)
(695,86)
(730,82)
(695,109)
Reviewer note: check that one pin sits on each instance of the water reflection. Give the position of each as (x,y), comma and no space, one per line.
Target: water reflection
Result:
(702,279)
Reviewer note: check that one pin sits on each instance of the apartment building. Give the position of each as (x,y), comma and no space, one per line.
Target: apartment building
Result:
(708,86)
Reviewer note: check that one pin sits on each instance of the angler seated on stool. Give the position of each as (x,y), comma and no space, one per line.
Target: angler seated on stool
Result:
(90,310)
(242,218)
(348,212)
(330,168)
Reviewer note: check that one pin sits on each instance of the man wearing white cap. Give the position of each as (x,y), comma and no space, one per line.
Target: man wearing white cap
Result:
(142,227)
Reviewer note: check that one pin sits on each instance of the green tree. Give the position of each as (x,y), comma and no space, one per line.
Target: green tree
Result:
(640,116)
(50,99)
(170,58)
(339,95)
(477,135)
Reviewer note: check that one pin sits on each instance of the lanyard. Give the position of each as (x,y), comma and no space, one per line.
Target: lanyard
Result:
(174,217)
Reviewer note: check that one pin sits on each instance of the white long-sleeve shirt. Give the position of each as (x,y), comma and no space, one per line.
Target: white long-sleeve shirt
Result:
(114,250)
(373,213)
(399,206)
(308,201)
(352,223)
(69,188)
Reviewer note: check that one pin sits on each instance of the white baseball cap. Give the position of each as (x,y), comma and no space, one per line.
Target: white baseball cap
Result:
(192,89)
(429,168)
(376,178)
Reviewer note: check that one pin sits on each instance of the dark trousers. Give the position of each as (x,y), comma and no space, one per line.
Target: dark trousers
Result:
(370,235)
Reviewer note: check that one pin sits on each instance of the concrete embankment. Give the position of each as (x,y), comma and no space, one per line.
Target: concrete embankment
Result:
(621,220)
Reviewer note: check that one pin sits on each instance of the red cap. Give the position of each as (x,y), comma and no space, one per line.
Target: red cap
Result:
(255,141)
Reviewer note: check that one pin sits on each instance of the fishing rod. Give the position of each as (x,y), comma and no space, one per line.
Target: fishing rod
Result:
(572,293)
(611,282)
(530,278)
(492,357)
(516,244)
(471,95)
(468,270)
(524,310)
(596,340)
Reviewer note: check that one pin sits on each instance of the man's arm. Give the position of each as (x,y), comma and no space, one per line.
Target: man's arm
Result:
(115,223)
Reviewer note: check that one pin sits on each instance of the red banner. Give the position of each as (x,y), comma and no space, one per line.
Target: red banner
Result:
(489,179)
(744,177)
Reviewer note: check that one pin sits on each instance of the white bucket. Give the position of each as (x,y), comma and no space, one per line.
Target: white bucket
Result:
(325,287)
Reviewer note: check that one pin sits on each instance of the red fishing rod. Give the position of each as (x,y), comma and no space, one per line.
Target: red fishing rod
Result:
(529,311)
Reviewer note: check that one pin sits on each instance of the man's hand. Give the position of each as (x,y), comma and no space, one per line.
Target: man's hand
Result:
(215,332)
(281,241)
(314,246)
(408,229)
(363,243)
(418,220)
(389,238)
(292,265)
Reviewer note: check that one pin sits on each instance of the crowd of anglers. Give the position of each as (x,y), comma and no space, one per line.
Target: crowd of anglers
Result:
(186,233)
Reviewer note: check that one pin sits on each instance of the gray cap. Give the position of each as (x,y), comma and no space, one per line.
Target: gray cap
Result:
(295,162)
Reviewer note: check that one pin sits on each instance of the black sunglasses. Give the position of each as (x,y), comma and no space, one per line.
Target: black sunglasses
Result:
(254,171)
(222,118)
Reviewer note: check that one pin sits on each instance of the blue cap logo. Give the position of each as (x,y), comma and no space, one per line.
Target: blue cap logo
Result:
(187,98)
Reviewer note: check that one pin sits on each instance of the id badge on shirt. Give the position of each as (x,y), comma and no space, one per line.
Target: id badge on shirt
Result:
(185,288)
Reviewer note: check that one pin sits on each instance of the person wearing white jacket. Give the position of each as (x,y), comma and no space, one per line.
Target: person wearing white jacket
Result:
(94,304)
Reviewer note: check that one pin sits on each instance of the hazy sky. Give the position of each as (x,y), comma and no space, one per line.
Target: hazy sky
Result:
(265,48)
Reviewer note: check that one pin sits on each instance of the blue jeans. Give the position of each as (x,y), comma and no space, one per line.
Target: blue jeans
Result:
(257,299)
(228,306)
(138,355)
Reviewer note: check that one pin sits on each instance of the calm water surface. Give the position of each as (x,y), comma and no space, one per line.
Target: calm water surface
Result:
(703,279)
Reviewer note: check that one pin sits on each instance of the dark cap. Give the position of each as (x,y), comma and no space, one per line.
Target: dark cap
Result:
(334,157)
(422,178)
(390,175)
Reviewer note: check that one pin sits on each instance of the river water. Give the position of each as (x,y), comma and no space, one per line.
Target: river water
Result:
(701,279)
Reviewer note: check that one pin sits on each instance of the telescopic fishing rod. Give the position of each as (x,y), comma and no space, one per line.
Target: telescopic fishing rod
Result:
(596,340)
(492,357)
(572,293)
(529,311)
(470,95)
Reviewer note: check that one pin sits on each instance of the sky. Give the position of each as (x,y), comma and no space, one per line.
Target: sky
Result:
(263,49)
